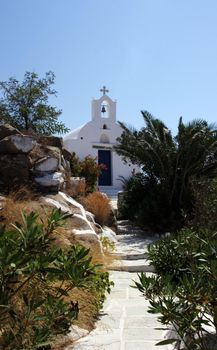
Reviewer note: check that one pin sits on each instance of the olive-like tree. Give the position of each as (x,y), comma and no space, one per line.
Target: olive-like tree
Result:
(25,105)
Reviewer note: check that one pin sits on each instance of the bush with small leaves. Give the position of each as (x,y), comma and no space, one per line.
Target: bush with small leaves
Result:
(36,279)
(185,288)
(145,203)
(87,168)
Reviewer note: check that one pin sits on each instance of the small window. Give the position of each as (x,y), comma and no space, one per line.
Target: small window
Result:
(81,137)
(104,127)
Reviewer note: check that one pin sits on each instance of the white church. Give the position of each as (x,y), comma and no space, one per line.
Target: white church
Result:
(97,138)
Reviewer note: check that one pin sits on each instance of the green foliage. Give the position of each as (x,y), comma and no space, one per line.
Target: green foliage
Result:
(107,244)
(169,164)
(185,287)
(87,168)
(101,285)
(205,207)
(36,279)
(146,203)
(75,165)
(25,105)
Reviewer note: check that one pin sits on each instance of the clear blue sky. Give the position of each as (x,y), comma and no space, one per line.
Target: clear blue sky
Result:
(158,55)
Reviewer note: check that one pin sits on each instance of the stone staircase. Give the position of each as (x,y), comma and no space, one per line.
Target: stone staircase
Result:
(125,323)
(131,254)
(110,191)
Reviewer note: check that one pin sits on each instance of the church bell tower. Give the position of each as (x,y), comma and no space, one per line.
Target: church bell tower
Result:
(104,107)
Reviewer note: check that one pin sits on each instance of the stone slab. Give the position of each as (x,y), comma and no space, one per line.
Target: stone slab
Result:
(135,311)
(141,322)
(113,346)
(125,323)
(142,334)
(142,265)
(143,345)
(109,322)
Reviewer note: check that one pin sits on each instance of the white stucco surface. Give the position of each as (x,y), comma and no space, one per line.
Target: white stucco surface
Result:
(100,134)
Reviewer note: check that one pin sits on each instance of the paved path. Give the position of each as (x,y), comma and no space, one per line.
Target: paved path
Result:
(125,323)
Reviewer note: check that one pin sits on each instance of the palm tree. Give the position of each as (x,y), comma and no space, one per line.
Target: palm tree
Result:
(172,163)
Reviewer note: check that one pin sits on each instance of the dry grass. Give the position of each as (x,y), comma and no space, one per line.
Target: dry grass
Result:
(26,201)
(86,317)
(75,190)
(80,189)
(104,260)
(24,193)
(18,306)
(22,199)
(98,204)
(87,307)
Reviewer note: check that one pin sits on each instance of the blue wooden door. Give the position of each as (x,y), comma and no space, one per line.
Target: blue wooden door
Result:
(104,157)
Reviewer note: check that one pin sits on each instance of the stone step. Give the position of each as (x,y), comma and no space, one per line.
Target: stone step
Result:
(125,227)
(109,188)
(111,192)
(129,231)
(133,256)
(141,265)
(133,246)
(111,196)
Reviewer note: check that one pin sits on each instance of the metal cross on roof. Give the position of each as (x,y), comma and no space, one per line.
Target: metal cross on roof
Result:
(104,90)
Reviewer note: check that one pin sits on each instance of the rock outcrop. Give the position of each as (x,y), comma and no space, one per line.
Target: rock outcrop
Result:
(42,163)
(80,228)
(82,225)
(32,159)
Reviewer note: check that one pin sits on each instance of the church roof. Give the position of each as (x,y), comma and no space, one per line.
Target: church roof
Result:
(73,135)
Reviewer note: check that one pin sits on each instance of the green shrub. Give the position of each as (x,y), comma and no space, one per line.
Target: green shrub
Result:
(36,279)
(75,165)
(100,285)
(169,164)
(145,203)
(87,168)
(185,288)
(205,204)
(107,244)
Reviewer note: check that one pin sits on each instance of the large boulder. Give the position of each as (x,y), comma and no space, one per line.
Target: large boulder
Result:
(36,159)
(88,239)
(81,229)
(53,141)
(52,181)
(47,164)
(55,201)
(14,169)
(40,152)
(66,154)
(7,130)
(15,144)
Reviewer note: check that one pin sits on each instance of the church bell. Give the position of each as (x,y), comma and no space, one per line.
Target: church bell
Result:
(103,110)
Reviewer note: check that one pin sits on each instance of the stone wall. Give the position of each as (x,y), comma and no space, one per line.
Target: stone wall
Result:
(38,161)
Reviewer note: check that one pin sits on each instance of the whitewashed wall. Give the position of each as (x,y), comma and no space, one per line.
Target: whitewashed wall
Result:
(87,139)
